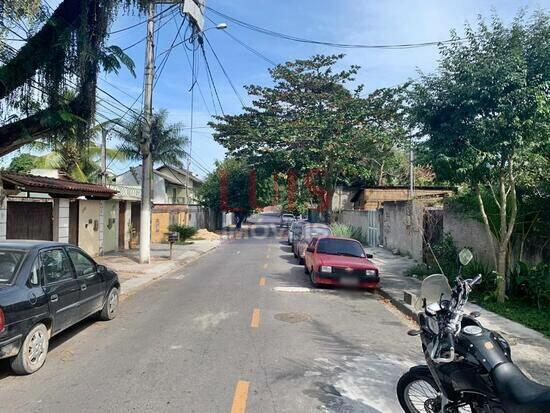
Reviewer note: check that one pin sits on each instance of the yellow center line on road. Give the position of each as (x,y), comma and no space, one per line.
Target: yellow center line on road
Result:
(262,281)
(255,323)
(240,397)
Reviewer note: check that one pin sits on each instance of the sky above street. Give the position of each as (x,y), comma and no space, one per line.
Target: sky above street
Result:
(343,21)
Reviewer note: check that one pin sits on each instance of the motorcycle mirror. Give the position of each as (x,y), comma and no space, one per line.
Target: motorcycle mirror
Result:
(475,314)
(465,256)
(414,332)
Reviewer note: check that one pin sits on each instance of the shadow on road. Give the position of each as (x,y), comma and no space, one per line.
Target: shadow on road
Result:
(55,342)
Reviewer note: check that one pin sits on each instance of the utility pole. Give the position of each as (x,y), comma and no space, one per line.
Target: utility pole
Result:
(411,170)
(104,133)
(147,161)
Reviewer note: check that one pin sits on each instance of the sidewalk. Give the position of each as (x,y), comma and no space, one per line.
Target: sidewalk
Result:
(133,275)
(530,348)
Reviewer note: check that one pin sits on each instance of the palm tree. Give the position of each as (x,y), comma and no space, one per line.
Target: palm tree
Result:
(167,140)
(79,160)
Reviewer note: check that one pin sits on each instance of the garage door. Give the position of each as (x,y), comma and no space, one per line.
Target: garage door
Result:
(29,220)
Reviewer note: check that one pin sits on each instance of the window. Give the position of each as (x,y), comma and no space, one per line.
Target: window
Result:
(56,265)
(335,246)
(9,263)
(34,278)
(82,264)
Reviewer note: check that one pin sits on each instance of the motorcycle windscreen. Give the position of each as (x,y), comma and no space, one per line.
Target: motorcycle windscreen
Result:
(434,288)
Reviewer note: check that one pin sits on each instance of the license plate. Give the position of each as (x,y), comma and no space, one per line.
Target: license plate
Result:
(349,281)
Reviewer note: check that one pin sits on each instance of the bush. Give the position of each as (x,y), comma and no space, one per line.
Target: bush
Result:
(419,271)
(347,231)
(183,231)
(532,284)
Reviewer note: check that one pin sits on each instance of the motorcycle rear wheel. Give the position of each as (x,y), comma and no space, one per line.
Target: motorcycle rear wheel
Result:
(417,393)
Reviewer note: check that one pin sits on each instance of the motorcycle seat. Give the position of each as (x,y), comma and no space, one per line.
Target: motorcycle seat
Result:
(518,392)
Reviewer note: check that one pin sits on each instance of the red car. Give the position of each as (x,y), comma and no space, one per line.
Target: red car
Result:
(340,261)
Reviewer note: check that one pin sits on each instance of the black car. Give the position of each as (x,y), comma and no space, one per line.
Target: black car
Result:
(46,287)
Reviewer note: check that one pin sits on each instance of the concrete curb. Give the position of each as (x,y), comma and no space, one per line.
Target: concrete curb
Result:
(406,309)
(132,285)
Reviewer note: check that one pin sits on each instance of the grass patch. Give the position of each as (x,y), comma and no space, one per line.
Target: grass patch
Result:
(518,310)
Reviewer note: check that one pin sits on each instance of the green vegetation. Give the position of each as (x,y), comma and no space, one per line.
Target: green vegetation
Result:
(485,115)
(347,231)
(520,311)
(183,231)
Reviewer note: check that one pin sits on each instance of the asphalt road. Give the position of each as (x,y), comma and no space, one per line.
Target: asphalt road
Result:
(230,333)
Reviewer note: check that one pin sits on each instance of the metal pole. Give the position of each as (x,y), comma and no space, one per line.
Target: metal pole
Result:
(147,164)
(104,133)
(411,170)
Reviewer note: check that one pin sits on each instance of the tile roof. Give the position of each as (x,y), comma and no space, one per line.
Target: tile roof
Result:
(42,184)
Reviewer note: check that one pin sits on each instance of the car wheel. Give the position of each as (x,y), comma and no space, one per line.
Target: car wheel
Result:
(312,280)
(32,353)
(110,308)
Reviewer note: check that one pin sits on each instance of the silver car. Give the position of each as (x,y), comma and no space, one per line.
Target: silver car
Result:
(292,230)
(308,232)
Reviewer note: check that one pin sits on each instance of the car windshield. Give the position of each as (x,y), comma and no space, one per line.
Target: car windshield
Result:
(310,232)
(9,263)
(340,247)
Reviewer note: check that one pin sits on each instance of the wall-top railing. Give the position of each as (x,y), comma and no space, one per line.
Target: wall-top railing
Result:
(128,192)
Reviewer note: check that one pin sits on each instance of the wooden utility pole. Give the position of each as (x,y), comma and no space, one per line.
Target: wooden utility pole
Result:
(147,160)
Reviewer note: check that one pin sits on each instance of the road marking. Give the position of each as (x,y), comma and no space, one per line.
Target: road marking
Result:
(265,265)
(267,256)
(239,399)
(255,323)
(262,281)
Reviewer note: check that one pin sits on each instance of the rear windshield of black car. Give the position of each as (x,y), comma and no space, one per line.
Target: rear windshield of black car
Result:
(9,263)
(340,247)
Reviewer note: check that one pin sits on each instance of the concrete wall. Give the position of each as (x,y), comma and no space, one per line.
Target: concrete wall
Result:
(127,222)
(110,225)
(468,233)
(88,230)
(402,227)
(3,215)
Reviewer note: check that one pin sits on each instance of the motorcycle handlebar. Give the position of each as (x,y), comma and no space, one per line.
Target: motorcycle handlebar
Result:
(476,280)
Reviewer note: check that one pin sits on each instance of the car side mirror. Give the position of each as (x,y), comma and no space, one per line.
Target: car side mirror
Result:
(370,256)
(310,249)
(101,268)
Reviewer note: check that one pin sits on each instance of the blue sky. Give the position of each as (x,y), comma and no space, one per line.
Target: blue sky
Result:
(344,21)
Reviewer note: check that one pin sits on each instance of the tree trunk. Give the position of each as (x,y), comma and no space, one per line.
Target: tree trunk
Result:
(381,174)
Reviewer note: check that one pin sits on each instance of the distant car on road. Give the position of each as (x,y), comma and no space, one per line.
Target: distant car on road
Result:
(293,229)
(46,287)
(340,261)
(286,220)
(309,231)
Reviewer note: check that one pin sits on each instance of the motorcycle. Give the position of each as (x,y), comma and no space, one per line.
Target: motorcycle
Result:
(468,368)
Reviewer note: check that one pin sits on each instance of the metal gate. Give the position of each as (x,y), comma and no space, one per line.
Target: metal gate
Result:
(373,228)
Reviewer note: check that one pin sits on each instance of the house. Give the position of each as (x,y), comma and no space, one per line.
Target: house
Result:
(54,209)
(370,198)
(170,185)
(174,199)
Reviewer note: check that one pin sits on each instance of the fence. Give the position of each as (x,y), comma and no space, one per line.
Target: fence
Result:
(369,222)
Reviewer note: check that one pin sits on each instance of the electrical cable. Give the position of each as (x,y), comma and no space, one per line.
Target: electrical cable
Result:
(246,46)
(224,71)
(143,21)
(209,72)
(284,36)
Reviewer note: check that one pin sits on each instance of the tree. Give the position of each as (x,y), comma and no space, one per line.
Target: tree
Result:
(485,116)
(310,122)
(167,140)
(22,163)
(236,186)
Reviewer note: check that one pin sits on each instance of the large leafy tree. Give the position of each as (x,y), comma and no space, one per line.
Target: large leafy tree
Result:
(167,140)
(485,114)
(311,122)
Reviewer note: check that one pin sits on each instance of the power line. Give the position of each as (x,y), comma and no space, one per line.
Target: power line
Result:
(173,15)
(143,21)
(209,73)
(224,71)
(284,36)
(167,56)
(246,46)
